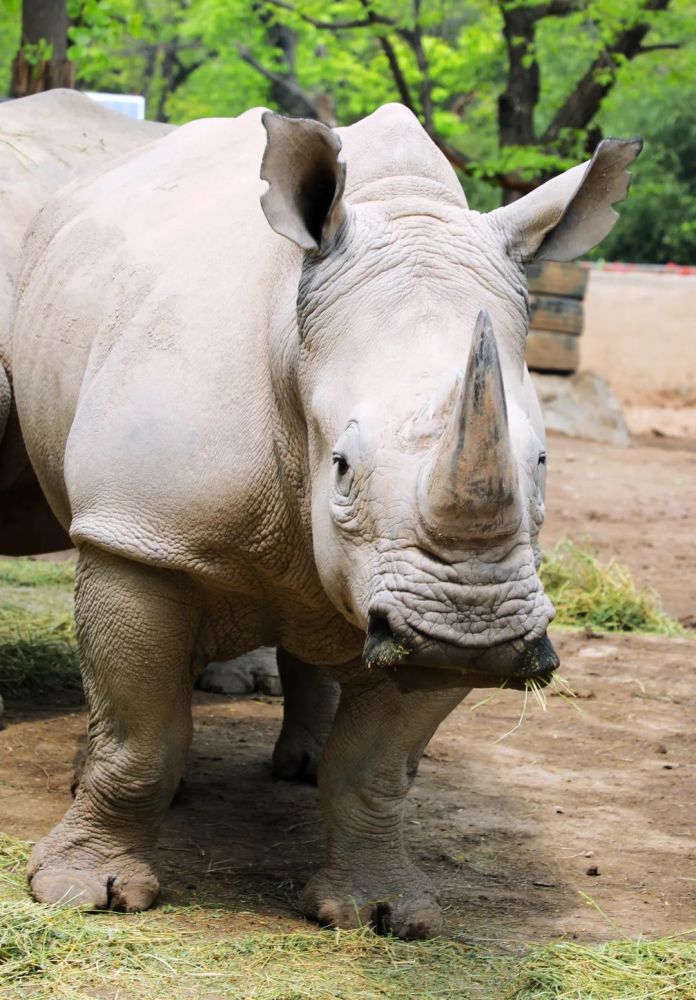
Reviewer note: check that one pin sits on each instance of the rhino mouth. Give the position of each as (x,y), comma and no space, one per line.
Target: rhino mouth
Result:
(391,641)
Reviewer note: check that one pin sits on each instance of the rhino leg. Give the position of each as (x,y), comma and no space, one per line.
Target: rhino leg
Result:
(367,768)
(136,629)
(310,702)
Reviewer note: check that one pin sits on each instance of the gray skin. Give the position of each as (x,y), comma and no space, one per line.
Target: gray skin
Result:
(45,141)
(312,429)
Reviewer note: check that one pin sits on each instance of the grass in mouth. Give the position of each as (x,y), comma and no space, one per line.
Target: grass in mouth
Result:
(389,654)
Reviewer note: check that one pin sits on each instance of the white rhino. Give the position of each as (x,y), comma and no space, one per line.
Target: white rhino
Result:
(45,141)
(290,411)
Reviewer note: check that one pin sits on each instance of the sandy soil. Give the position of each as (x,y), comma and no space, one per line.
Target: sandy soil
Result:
(530,837)
(662,421)
(637,504)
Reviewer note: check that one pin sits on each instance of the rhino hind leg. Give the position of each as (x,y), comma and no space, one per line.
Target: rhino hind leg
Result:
(136,629)
(310,703)
(367,768)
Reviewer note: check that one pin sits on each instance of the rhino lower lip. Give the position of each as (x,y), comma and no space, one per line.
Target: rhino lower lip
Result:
(390,640)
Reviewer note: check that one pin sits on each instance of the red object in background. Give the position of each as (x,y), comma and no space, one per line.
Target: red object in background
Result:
(617,265)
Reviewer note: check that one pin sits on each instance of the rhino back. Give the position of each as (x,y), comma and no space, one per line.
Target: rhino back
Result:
(45,140)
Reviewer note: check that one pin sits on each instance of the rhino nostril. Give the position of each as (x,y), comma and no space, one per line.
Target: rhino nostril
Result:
(382,647)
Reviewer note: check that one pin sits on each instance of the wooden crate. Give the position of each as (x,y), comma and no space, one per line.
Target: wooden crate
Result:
(556,294)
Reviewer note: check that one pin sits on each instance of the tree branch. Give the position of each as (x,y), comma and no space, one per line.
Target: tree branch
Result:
(561,8)
(414,38)
(295,96)
(397,73)
(658,46)
(555,8)
(512,181)
(174,75)
(584,102)
(364,22)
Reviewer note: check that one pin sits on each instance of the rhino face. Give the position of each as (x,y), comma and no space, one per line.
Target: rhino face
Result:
(427,477)
(426,452)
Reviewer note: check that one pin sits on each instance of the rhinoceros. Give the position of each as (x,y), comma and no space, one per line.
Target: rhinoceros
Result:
(271,378)
(45,141)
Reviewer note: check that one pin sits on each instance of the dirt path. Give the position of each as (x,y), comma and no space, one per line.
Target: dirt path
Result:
(637,503)
(511,830)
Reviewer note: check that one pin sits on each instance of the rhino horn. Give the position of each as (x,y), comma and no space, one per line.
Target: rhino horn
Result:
(469,487)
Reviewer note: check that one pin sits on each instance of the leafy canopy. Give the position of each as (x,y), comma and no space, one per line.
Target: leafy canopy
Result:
(512,91)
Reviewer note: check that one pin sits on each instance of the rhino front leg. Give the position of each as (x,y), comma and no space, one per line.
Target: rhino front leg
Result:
(136,628)
(367,768)
(310,703)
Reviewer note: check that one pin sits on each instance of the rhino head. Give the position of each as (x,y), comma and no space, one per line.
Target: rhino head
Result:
(425,440)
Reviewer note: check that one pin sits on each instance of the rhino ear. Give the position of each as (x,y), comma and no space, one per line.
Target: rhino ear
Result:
(567,216)
(304,200)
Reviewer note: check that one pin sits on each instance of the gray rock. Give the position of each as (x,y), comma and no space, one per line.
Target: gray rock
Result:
(582,406)
(254,672)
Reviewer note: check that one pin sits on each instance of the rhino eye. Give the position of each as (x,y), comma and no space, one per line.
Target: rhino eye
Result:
(341,463)
(542,458)
(344,476)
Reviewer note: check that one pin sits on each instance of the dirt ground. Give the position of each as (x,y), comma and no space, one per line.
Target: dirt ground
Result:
(582,809)
(637,504)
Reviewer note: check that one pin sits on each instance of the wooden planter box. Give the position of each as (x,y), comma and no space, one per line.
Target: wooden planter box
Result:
(556,292)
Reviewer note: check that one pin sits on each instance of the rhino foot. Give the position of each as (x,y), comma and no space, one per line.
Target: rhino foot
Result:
(65,874)
(405,905)
(310,701)
(296,756)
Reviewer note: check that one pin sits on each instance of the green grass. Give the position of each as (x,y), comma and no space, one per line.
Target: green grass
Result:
(191,952)
(183,952)
(619,970)
(37,632)
(602,596)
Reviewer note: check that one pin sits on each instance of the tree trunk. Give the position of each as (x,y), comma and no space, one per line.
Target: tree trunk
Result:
(42,63)
(517,102)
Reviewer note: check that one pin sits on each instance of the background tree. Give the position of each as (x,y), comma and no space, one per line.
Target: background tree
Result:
(42,61)
(511,91)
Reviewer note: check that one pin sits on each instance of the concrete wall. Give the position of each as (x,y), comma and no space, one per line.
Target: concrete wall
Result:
(640,331)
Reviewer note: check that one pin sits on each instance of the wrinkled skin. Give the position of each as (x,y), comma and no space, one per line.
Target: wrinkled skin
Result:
(299,430)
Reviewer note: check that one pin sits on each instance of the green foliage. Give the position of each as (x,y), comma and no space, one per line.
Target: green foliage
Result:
(449,60)
(659,221)
(10,21)
(38,53)
(588,593)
